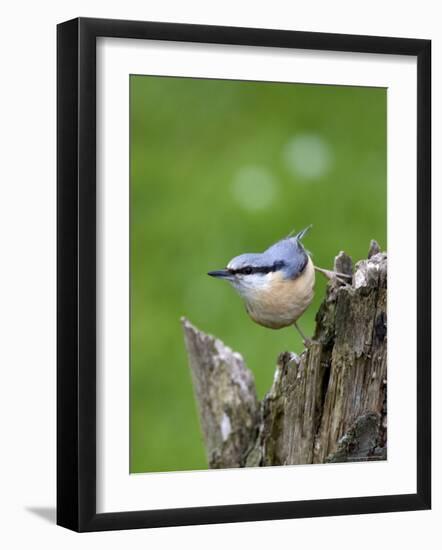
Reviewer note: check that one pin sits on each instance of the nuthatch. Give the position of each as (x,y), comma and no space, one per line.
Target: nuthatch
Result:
(276,285)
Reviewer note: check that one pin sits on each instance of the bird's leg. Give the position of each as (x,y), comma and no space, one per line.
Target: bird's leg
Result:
(334,275)
(306,341)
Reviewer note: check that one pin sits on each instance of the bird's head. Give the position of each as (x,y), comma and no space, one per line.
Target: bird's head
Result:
(250,273)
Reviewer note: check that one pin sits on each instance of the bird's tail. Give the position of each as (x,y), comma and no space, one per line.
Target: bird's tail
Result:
(299,236)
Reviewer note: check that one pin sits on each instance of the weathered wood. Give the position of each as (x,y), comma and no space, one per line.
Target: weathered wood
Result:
(327,405)
(226,397)
(291,411)
(374,248)
(357,383)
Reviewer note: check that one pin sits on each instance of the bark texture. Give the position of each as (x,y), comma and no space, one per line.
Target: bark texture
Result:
(327,405)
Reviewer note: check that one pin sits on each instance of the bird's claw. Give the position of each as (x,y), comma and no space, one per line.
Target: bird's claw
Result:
(342,281)
(335,276)
(309,342)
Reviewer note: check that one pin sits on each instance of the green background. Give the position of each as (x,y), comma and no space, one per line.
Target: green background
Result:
(219,168)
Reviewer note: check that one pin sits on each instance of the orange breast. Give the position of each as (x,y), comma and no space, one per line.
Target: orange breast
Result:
(282,301)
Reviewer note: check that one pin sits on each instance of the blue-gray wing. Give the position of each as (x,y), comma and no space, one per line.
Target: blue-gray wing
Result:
(291,254)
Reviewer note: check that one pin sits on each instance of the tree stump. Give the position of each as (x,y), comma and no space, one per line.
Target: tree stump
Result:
(327,405)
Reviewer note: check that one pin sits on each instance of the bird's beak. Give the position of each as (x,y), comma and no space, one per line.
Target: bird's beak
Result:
(221,274)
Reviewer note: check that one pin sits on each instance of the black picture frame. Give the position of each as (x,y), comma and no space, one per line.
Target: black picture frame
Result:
(76,273)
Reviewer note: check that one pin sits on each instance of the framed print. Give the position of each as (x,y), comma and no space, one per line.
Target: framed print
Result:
(243,274)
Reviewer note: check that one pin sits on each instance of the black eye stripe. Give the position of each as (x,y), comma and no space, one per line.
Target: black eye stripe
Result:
(249,270)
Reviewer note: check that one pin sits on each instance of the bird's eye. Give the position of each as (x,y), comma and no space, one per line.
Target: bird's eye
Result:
(247,270)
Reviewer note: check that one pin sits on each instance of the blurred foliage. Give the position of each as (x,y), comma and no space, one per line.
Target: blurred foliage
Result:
(219,168)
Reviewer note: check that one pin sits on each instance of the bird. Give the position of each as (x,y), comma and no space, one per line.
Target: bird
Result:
(276,285)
